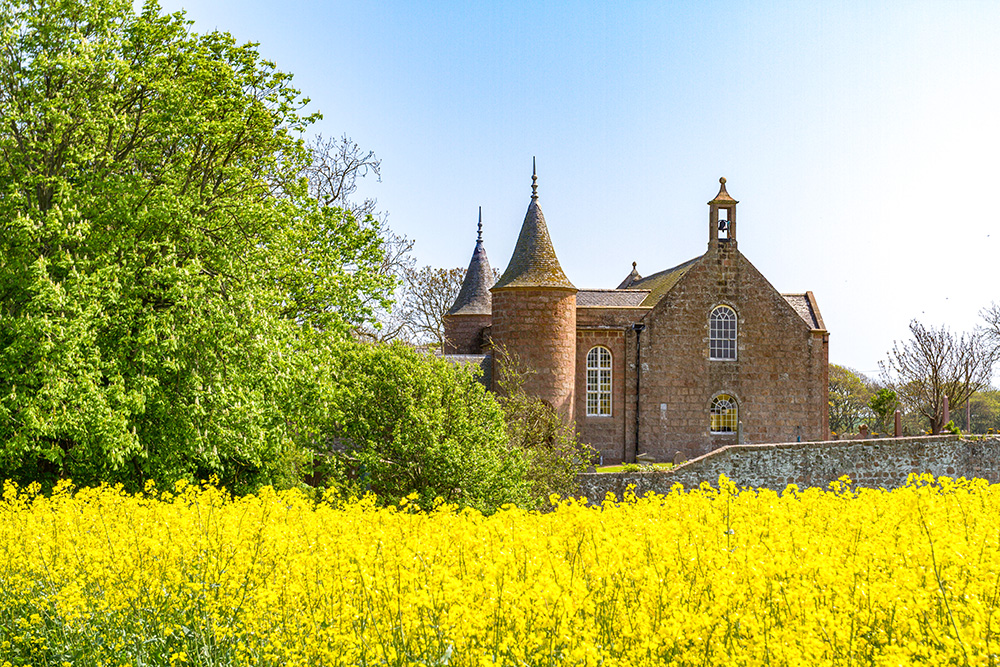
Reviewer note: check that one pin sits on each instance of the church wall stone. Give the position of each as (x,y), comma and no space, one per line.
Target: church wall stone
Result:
(538,326)
(463,334)
(777,379)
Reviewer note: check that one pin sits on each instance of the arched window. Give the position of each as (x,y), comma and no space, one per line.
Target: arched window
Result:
(725,414)
(599,382)
(722,333)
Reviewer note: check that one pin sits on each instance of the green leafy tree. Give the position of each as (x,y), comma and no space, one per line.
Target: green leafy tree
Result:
(163,269)
(553,453)
(399,422)
(985,411)
(883,405)
(848,396)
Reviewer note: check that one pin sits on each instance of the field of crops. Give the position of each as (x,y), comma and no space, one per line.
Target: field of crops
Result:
(711,576)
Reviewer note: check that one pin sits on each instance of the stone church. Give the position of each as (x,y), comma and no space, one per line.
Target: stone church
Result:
(671,365)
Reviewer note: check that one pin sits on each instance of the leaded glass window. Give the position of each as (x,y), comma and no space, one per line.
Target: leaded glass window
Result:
(722,333)
(599,382)
(725,414)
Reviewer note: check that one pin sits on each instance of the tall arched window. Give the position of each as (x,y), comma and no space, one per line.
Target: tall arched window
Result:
(599,382)
(722,333)
(725,414)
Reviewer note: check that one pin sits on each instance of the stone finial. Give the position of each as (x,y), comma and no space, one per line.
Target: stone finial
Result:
(630,278)
(534,180)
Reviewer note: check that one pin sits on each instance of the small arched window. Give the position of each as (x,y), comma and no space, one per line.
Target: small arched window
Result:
(725,414)
(722,333)
(599,382)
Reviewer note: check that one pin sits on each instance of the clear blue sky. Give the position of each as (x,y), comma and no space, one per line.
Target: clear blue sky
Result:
(861,138)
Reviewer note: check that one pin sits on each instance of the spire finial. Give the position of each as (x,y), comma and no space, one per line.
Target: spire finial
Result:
(534,180)
(633,266)
(480,238)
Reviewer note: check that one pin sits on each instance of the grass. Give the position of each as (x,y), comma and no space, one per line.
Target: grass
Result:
(635,467)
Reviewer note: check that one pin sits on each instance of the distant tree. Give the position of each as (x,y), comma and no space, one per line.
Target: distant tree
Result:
(883,405)
(333,172)
(935,363)
(428,295)
(985,411)
(848,396)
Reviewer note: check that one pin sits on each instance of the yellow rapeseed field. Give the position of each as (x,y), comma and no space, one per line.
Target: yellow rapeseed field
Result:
(703,577)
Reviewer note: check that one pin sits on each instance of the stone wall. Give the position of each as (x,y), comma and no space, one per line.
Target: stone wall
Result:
(607,432)
(538,325)
(876,463)
(778,378)
(463,334)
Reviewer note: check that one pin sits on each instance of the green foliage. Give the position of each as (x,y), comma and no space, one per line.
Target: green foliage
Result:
(951,428)
(399,422)
(848,397)
(985,409)
(554,454)
(164,275)
(883,405)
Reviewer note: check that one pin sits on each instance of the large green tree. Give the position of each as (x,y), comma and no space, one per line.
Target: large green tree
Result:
(162,265)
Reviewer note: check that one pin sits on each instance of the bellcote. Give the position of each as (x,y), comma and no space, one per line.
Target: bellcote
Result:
(722,217)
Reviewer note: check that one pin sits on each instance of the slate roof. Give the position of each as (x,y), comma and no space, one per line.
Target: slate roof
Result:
(534,262)
(805,305)
(620,298)
(660,283)
(474,298)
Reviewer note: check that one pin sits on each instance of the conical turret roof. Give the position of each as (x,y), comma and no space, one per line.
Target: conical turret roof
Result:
(474,298)
(534,262)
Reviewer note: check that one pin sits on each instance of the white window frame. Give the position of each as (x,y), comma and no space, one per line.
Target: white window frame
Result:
(600,364)
(724,414)
(722,334)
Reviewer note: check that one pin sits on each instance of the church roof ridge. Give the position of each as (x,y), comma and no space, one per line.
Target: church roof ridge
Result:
(474,298)
(534,262)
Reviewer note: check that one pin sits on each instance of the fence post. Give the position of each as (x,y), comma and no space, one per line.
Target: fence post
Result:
(898,429)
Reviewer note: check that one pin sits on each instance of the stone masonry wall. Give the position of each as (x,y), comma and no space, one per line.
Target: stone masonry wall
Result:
(538,325)
(778,378)
(876,463)
(463,334)
(605,433)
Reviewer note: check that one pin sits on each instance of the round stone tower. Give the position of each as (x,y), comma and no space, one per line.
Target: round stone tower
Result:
(534,315)
(469,316)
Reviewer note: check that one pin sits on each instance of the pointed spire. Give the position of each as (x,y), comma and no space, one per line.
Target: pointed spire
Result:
(534,262)
(474,298)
